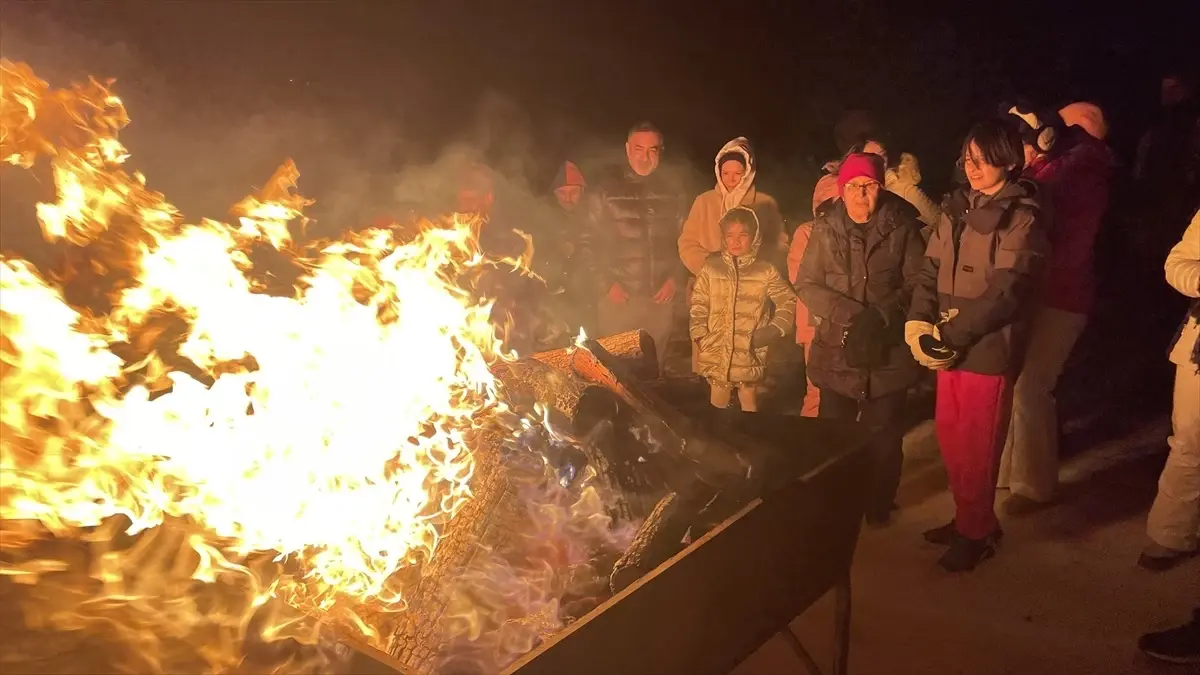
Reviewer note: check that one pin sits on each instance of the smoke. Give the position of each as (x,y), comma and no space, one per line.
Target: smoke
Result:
(205,150)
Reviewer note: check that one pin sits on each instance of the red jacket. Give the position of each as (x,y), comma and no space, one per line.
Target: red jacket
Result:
(1076,181)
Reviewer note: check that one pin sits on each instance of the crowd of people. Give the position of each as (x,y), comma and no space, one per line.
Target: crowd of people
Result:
(984,292)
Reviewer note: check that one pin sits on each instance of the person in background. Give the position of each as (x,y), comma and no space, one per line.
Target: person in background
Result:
(1073,169)
(1166,168)
(852,127)
(1174,522)
(569,186)
(628,245)
(518,299)
(731,325)
(968,322)
(810,405)
(903,179)
(701,236)
(856,279)
(476,190)
(573,302)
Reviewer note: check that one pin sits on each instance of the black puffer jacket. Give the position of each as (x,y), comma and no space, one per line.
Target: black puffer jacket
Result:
(848,268)
(631,232)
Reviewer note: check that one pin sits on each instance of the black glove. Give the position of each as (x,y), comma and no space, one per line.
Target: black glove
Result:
(763,337)
(865,341)
(936,349)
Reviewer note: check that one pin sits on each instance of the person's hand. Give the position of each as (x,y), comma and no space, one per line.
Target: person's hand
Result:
(666,293)
(946,316)
(914,333)
(617,295)
(863,338)
(763,337)
(939,353)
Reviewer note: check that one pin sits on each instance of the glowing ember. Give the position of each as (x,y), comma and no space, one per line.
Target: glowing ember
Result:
(327,427)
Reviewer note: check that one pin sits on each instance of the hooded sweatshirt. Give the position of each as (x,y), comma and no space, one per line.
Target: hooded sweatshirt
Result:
(701,235)
(729,303)
(1077,182)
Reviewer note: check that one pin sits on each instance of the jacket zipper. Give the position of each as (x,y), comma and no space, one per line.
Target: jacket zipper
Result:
(649,246)
(956,233)
(737,278)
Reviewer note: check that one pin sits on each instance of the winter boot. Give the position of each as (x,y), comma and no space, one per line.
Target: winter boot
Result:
(964,554)
(946,534)
(1175,645)
(942,536)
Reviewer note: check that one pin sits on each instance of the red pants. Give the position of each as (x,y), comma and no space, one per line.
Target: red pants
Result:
(972,423)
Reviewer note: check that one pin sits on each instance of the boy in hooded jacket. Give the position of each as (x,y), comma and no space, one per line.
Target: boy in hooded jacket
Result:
(731,325)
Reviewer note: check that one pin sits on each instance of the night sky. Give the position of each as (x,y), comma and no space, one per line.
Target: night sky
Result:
(559,79)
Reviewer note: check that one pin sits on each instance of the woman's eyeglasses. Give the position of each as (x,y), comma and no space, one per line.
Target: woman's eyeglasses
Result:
(864,189)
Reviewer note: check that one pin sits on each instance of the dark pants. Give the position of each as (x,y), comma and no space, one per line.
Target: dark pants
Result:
(882,417)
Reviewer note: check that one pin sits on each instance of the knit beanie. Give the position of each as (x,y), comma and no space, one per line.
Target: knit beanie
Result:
(569,174)
(857,165)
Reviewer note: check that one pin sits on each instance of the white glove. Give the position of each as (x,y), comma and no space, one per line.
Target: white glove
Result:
(913,330)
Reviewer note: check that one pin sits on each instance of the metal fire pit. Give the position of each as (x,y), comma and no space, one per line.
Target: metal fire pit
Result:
(771,505)
(712,604)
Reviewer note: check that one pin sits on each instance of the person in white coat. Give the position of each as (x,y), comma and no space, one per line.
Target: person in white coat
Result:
(903,179)
(1174,522)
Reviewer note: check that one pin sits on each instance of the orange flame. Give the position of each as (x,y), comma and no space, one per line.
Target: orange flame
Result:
(326,427)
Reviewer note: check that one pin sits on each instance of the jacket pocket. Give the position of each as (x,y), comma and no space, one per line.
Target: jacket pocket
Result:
(971,275)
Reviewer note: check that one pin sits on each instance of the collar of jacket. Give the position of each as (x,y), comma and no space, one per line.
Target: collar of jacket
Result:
(984,213)
(886,219)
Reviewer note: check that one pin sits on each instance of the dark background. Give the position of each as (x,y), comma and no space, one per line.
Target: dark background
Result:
(358,92)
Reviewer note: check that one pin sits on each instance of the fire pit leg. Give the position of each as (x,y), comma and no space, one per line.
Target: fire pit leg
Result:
(841,629)
(809,664)
(841,634)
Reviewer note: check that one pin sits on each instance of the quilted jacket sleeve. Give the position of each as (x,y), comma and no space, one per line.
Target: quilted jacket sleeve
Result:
(1183,262)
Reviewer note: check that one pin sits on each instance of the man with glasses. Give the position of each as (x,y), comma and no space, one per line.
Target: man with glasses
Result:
(628,243)
(856,279)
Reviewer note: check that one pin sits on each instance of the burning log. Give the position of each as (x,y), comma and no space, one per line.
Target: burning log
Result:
(633,346)
(657,539)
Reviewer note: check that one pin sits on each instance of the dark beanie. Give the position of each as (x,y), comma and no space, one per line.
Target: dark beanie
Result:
(732,155)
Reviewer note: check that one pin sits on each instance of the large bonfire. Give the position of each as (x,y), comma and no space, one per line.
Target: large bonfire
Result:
(302,447)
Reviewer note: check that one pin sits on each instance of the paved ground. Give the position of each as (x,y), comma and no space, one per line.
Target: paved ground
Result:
(1063,596)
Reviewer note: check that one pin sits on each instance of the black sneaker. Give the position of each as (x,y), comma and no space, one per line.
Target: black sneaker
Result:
(942,536)
(964,554)
(1158,558)
(879,518)
(946,534)
(1175,645)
